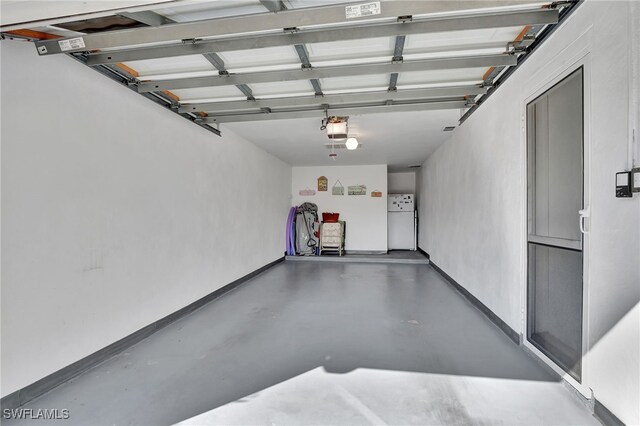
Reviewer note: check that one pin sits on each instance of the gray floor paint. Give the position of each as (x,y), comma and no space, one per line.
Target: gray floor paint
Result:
(324,343)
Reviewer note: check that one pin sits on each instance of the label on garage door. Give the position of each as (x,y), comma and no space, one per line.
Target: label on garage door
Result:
(71,44)
(362,10)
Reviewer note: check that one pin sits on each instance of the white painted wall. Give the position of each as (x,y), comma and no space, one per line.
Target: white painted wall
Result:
(115,212)
(473,218)
(366,216)
(402,183)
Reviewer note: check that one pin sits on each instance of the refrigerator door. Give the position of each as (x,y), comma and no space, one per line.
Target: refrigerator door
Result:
(400,203)
(401,230)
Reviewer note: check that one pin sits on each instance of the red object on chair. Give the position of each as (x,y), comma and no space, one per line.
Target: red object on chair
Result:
(330,217)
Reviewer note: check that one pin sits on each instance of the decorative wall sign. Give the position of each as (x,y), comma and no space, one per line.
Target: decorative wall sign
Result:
(376,194)
(357,190)
(337,189)
(323,183)
(307,192)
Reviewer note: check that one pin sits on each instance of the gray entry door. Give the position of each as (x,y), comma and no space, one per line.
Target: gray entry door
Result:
(555,245)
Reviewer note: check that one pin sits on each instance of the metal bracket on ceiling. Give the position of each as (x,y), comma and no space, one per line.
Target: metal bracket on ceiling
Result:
(223,72)
(316,87)
(190,40)
(562,3)
(398,49)
(126,78)
(265,110)
(520,47)
(393,82)
(172,104)
(132,82)
(490,82)
(405,18)
(291,30)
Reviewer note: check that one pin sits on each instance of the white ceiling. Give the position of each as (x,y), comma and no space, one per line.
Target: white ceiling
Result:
(397,139)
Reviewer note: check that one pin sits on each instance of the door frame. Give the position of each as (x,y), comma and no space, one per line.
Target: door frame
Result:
(553,77)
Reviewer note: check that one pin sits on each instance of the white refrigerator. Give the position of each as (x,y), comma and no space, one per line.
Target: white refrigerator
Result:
(401,219)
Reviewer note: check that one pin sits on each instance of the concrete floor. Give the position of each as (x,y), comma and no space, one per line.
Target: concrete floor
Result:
(324,343)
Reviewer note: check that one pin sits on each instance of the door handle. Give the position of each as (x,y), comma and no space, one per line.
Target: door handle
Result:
(584,213)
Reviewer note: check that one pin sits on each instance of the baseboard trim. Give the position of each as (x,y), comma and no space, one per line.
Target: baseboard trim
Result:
(510,332)
(44,385)
(364,252)
(425,253)
(605,416)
